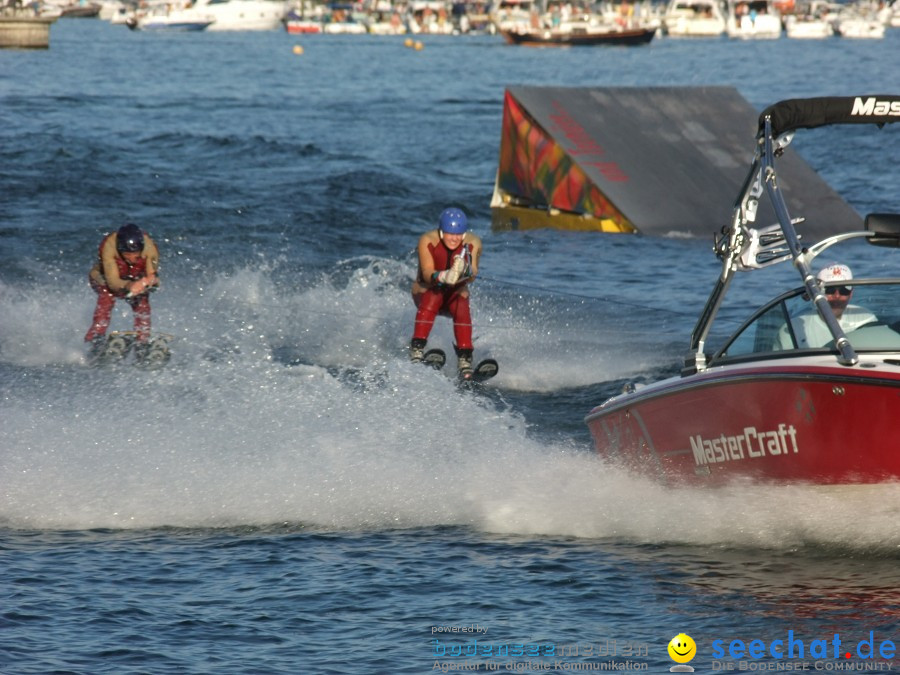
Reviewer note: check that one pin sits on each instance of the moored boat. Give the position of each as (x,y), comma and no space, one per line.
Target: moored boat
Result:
(300,26)
(81,10)
(588,36)
(172,20)
(808,28)
(241,15)
(811,21)
(694,18)
(298,22)
(512,14)
(852,24)
(753,19)
(808,388)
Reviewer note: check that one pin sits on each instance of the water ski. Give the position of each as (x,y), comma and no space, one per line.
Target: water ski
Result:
(484,371)
(118,344)
(436,358)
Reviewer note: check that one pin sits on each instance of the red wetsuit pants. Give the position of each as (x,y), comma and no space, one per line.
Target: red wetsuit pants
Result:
(452,302)
(106,300)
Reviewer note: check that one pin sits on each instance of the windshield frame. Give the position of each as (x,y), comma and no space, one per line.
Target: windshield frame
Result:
(782,305)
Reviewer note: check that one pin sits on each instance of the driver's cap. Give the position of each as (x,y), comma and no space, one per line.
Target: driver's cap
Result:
(834,272)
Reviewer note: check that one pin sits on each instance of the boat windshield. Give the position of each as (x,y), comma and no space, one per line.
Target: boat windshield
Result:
(868,312)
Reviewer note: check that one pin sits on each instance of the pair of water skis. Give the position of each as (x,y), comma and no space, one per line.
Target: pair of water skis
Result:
(115,348)
(485,370)
(155,353)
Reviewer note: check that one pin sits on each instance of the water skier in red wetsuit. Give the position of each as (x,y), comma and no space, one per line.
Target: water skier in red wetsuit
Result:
(126,267)
(448,262)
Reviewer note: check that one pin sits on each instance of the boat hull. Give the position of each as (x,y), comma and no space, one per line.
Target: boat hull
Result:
(550,38)
(175,26)
(302,27)
(242,15)
(816,424)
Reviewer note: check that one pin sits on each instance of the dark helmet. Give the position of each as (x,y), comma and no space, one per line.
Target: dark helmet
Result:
(129,239)
(454,221)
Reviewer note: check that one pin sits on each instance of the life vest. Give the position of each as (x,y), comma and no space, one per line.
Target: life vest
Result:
(443,256)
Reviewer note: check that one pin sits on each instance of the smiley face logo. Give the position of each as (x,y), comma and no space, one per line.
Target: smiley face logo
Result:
(682,648)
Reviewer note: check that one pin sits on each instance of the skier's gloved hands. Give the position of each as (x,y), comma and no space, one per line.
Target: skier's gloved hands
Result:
(447,277)
(141,285)
(459,266)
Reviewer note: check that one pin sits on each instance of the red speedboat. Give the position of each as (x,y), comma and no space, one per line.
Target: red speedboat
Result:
(801,392)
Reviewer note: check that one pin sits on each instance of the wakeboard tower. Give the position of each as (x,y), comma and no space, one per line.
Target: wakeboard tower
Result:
(118,345)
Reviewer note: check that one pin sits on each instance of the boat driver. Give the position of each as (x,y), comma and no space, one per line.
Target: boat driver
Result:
(448,262)
(809,329)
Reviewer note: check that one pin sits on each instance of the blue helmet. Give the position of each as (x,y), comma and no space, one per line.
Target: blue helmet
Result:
(129,239)
(454,221)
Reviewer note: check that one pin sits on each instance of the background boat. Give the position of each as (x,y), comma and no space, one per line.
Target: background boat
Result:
(579,36)
(87,10)
(243,14)
(694,18)
(813,20)
(514,14)
(305,18)
(753,19)
(342,18)
(166,18)
(852,23)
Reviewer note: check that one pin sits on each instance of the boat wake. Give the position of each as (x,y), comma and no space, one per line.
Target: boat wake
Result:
(300,407)
(357,316)
(394,449)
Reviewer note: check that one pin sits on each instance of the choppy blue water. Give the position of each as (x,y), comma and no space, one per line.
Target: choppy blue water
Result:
(290,495)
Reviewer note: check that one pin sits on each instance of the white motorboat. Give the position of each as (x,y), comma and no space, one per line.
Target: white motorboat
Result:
(244,14)
(343,20)
(110,9)
(753,19)
(510,15)
(799,28)
(387,26)
(165,18)
(347,27)
(851,24)
(430,17)
(811,21)
(694,18)
(892,14)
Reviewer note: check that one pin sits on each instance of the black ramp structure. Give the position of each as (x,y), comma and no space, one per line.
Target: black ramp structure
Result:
(658,160)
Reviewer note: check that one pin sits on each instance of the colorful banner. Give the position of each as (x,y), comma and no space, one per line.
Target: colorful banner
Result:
(534,169)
